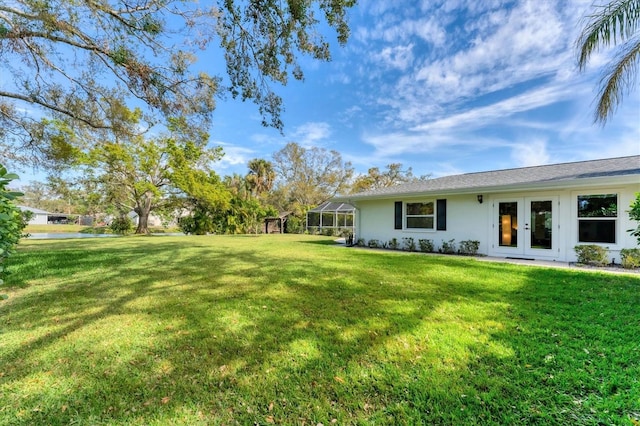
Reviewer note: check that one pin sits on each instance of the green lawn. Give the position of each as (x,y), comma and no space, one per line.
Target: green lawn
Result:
(295,330)
(55,229)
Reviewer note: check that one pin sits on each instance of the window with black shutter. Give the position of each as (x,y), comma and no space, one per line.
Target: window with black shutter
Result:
(441,215)
(398,215)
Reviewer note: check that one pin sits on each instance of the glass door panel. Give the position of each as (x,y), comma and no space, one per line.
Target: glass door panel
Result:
(540,226)
(508,224)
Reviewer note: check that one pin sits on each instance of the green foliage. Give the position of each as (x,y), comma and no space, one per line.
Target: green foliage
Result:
(261,176)
(145,53)
(295,225)
(630,258)
(408,244)
(373,243)
(121,225)
(469,247)
(448,247)
(634,214)
(426,245)
(394,244)
(616,22)
(11,219)
(310,176)
(592,254)
(327,232)
(161,174)
(200,222)
(375,179)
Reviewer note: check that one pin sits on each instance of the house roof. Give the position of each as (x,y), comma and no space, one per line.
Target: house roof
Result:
(538,176)
(33,210)
(329,206)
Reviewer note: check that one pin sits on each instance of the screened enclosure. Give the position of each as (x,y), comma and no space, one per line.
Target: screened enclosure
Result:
(331,216)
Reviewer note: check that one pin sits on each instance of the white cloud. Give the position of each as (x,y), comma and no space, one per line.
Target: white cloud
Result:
(524,43)
(532,152)
(475,118)
(309,134)
(399,57)
(234,156)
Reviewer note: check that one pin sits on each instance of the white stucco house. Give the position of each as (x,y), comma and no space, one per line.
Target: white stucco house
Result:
(538,212)
(42,217)
(39,216)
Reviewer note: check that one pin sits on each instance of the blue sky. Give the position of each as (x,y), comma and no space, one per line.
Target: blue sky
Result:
(442,86)
(445,87)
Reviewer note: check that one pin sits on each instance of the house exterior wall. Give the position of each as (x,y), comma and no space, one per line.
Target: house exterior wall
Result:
(467,219)
(39,219)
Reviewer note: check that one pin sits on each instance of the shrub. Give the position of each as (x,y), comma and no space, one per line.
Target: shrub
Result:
(394,244)
(360,242)
(329,232)
(121,225)
(426,246)
(11,221)
(294,225)
(345,232)
(448,247)
(591,254)
(634,214)
(408,244)
(630,258)
(374,243)
(469,247)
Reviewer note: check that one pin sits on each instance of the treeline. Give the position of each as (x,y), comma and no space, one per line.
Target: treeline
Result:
(172,177)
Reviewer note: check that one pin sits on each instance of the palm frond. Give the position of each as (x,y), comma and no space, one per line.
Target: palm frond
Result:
(618,80)
(615,22)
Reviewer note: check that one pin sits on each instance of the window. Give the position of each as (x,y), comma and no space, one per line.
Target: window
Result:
(313,219)
(419,215)
(597,218)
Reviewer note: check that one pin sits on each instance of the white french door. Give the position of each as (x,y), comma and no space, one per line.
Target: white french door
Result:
(526,226)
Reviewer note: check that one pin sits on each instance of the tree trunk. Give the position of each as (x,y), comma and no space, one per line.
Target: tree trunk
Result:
(143,210)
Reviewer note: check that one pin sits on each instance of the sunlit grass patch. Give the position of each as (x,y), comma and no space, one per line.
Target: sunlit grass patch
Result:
(295,330)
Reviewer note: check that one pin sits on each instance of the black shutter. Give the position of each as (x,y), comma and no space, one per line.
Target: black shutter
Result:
(442,215)
(398,215)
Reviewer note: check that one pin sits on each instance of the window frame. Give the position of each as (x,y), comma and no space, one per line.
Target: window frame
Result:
(433,216)
(615,220)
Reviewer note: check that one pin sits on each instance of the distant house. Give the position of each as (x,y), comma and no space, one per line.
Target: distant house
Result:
(532,212)
(40,217)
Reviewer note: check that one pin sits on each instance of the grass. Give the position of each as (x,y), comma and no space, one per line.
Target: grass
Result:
(54,229)
(294,330)
(71,228)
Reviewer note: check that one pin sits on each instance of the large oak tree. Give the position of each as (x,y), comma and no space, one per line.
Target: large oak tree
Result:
(69,60)
(307,177)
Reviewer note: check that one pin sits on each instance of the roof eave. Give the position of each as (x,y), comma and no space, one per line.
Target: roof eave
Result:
(530,186)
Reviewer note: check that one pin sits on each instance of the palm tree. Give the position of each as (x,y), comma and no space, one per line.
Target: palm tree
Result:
(261,176)
(614,23)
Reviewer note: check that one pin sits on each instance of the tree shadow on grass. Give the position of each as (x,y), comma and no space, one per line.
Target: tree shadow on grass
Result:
(230,334)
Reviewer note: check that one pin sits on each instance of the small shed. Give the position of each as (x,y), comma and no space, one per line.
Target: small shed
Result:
(332,215)
(276,224)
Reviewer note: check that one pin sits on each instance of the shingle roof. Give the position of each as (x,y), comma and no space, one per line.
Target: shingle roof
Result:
(514,177)
(33,210)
